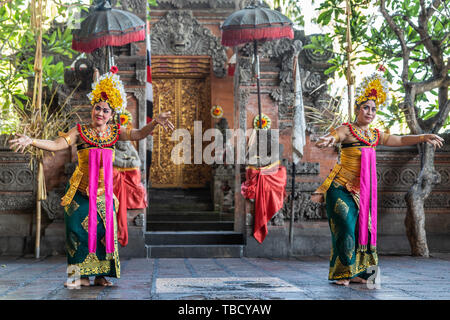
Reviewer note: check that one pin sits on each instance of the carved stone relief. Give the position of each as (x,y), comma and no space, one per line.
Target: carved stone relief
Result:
(282,52)
(395,178)
(139,93)
(304,209)
(17,180)
(9,202)
(52,205)
(223,175)
(397,200)
(126,155)
(181,4)
(304,168)
(179,33)
(314,64)
(81,76)
(223,188)
(136,6)
(139,220)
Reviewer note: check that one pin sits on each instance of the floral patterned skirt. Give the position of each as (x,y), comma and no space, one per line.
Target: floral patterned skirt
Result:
(78,257)
(345,261)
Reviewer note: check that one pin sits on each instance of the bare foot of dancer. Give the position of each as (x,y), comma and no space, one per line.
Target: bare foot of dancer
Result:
(84,282)
(343,282)
(101,281)
(358,280)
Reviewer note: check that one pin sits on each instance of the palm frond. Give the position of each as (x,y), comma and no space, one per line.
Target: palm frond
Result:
(325,117)
(44,123)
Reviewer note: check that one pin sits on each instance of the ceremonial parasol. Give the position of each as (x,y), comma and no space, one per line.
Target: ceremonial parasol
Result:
(255,24)
(105,27)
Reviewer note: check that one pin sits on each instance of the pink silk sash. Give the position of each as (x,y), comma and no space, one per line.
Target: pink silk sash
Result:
(95,156)
(368,199)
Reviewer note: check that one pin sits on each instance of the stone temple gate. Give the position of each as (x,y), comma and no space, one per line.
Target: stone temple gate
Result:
(198,210)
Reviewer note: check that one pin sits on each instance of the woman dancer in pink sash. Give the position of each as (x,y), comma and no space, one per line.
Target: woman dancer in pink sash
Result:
(89,202)
(350,191)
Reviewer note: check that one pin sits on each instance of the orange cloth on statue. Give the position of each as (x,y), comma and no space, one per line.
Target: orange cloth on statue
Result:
(131,194)
(267,186)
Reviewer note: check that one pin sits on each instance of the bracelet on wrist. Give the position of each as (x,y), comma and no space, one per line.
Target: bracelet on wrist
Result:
(334,134)
(421,138)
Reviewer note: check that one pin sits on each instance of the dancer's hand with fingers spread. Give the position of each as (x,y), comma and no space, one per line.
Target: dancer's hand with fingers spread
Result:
(20,143)
(325,141)
(163,120)
(434,140)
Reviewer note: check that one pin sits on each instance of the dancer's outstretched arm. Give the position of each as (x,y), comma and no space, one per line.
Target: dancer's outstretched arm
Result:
(138,134)
(63,142)
(409,140)
(334,136)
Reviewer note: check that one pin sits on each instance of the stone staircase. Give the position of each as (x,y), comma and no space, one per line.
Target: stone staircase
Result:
(181,223)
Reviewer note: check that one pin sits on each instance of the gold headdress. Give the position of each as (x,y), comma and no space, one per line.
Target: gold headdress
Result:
(109,88)
(374,87)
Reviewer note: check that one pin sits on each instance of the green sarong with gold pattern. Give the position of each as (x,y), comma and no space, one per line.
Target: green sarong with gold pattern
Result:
(346,262)
(78,257)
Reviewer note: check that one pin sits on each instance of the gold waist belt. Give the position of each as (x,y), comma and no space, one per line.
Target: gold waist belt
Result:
(343,176)
(84,183)
(80,181)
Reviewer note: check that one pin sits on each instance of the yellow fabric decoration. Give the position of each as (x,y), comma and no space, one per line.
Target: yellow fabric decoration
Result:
(80,179)
(347,173)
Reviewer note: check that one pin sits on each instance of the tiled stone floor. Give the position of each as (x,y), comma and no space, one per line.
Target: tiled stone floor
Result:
(300,278)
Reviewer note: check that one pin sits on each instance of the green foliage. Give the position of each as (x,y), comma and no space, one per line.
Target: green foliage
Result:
(290,9)
(150,3)
(375,43)
(17,52)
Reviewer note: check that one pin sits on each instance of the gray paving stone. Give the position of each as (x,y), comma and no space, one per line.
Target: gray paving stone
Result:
(298,278)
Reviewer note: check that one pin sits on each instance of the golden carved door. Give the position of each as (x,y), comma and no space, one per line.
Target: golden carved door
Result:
(188,99)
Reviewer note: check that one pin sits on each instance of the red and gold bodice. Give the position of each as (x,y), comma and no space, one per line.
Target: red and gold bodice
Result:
(88,139)
(347,172)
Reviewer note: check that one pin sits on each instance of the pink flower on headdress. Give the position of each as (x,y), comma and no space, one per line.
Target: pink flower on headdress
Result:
(114,69)
(104,95)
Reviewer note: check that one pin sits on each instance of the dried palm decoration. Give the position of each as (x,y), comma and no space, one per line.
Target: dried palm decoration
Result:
(38,120)
(45,124)
(326,117)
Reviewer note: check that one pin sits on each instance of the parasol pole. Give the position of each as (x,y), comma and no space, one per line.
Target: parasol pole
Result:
(349,50)
(109,58)
(291,222)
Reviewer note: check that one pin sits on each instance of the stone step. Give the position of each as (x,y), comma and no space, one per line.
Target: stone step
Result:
(189,216)
(194,251)
(179,200)
(180,206)
(190,225)
(193,238)
(184,194)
